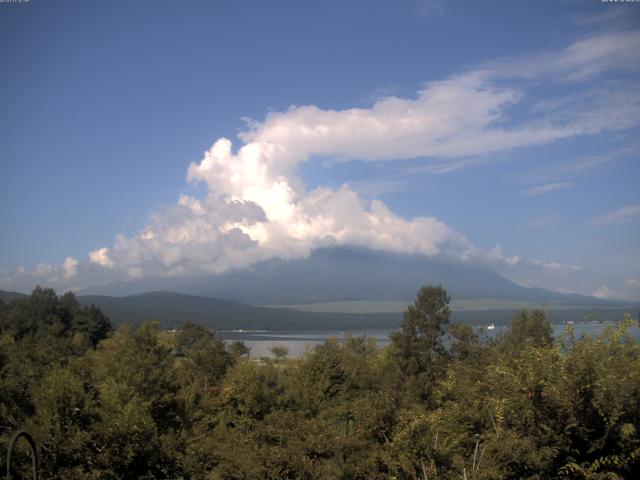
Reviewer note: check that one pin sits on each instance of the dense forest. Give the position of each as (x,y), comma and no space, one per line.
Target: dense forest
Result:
(437,403)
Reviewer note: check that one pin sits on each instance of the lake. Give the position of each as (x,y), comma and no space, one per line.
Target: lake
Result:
(300,341)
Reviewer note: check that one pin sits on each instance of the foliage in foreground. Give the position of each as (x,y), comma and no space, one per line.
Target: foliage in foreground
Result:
(438,403)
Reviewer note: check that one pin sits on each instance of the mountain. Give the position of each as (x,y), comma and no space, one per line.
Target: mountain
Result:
(172,309)
(6,297)
(348,274)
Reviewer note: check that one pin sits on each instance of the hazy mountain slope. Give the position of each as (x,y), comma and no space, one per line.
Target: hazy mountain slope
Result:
(8,296)
(339,274)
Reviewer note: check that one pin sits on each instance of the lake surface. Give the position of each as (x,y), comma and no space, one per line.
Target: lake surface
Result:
(298,342)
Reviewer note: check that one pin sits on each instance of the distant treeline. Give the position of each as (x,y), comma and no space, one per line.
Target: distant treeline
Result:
(437,403)
(173,309)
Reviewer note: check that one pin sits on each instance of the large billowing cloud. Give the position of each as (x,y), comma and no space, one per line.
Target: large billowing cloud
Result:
(257,206)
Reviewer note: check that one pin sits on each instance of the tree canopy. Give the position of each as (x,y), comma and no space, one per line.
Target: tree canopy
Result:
(440,402)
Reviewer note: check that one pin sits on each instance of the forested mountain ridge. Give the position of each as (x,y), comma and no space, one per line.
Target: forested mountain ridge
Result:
(172,309)
(6,296)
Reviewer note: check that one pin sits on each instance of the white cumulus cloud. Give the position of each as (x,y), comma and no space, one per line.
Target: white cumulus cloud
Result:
(603,292)
(70,267)
(101,257)
(256,205)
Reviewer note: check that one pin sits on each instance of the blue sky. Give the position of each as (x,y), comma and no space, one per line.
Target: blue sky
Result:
(498,133)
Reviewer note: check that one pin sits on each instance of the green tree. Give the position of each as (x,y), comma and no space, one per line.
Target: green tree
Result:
(528,329)
(418,344)
(279,351)
(90,322)
(238,349)
(37,316)
(465,343)
(43,314)
(137,389)
(205,361)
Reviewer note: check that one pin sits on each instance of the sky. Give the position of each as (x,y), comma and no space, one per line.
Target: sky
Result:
(150,138)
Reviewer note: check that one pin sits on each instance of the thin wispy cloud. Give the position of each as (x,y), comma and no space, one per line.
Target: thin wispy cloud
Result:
(631,289)
(542,189)
(623,214)
(556,175)
(564,169)
(431,8)
(546,221)
(376,187)
(621,17)
(632,282)
(442,168)
(581,60)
